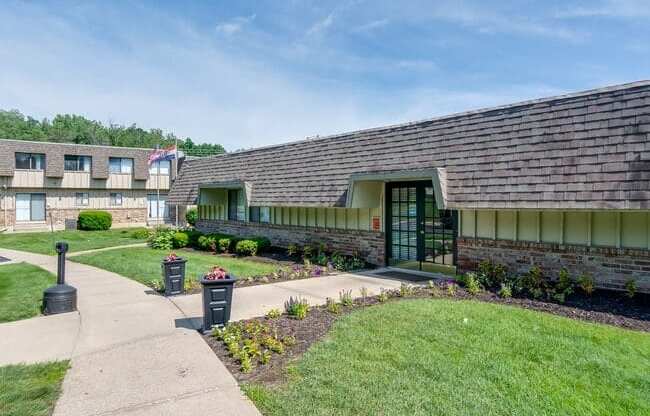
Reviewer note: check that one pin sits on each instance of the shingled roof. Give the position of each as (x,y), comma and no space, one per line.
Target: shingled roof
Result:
(586,150)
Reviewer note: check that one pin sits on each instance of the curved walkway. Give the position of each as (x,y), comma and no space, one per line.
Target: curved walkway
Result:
(130,354)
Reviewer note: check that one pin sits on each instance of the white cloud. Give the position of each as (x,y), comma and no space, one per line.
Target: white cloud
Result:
(371,26)
(234,25)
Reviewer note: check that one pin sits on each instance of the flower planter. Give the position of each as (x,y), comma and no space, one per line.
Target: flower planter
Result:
(174,274)
(217,300)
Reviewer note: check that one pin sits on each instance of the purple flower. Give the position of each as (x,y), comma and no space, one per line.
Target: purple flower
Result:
(317,271)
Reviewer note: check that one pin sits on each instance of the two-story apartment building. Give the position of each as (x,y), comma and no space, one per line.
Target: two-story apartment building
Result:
(44,184)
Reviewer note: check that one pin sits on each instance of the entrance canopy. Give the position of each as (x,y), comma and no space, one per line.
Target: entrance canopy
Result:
(365,189)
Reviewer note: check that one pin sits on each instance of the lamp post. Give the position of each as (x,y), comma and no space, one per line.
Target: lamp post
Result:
(61,297)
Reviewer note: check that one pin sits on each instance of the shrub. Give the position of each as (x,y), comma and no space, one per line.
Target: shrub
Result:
(297,307)
(246,248)
(141,234)
(383,295)
(180,239)
(630,288)
(450,287)
(205,242)
(191,216)
(534,283)
(505,291)
(491,275)
(273,314)
(307,252)
(293,250)
(345,296)
(262,243)
(94,220)
(563,286)
(586,283)
(193,236)
(406,290)
(161,238)
(332,306)
(471,284)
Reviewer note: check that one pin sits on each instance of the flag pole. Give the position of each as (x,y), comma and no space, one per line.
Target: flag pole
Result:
(158,190)
(175,175)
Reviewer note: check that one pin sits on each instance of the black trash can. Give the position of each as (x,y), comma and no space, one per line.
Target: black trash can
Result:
(217,301)
(174,274)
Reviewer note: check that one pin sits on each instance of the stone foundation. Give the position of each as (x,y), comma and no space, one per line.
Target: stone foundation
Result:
(122,217)
(368,244)
(610,267)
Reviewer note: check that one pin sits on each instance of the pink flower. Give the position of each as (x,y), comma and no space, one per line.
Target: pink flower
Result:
(171,257)
(217,273)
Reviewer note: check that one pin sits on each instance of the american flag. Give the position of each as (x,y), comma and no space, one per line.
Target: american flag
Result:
(167,153)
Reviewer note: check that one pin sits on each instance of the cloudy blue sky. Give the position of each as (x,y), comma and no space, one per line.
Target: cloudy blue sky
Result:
(249,73)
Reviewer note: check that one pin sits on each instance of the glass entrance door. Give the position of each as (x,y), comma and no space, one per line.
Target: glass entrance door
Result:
(419,235)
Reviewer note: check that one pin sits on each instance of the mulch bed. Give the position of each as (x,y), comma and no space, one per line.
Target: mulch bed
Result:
(622,312)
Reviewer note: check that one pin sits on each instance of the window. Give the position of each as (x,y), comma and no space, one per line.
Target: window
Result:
(260,214)
(30,207)
(157,206)
(31,161)
(120,165)
(116,199)
(81,198)
(236,209)
(77,163)
(161,167)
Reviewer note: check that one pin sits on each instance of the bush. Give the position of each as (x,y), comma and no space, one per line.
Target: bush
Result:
(505,291)
(191,216)
(630,288)
(205,242)
(491,275)
(246,248)
(223,244)
(141,234)
(94,220)
(193,236)
(297,308)
(263,243)
(180,239)
(471,284)
(162,238)
(586,283)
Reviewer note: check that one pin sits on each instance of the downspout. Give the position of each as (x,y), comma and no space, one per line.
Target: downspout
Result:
(5,194)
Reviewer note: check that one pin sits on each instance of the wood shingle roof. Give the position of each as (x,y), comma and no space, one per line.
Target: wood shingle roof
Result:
(587,150)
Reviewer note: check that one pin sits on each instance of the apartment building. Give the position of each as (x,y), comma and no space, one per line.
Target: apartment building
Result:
(46,185)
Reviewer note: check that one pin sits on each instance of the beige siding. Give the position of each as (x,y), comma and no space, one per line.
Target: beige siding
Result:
(66,199)
(597,228)
(340,218)
(83,180)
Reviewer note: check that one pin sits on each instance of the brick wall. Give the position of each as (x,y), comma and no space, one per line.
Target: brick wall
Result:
(610,267)
(121,217)
(370,245)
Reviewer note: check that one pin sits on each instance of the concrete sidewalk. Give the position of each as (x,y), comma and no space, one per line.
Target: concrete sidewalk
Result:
(253,301)
(129,351)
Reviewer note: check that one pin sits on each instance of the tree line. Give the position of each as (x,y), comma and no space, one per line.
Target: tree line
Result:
(71,128)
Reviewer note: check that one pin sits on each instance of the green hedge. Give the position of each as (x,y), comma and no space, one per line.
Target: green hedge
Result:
(94,220)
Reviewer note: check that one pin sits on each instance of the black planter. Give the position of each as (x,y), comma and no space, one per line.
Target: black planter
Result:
(217,300)
(174,274)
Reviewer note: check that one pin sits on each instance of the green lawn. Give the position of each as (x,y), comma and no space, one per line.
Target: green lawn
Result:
(30,389)
(43,243)
(441,357)
(143,263)
(21,290)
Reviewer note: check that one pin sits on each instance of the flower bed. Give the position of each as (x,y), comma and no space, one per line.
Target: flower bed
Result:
(318,320)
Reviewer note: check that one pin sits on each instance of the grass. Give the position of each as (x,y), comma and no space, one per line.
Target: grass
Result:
(43,243)
(30,389)
(143,263)
(442,357)
(21,290)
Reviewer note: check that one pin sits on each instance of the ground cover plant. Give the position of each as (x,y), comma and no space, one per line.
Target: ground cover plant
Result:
(442,356)
(143,265)
(30,389)
(43,243)
(21,290)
